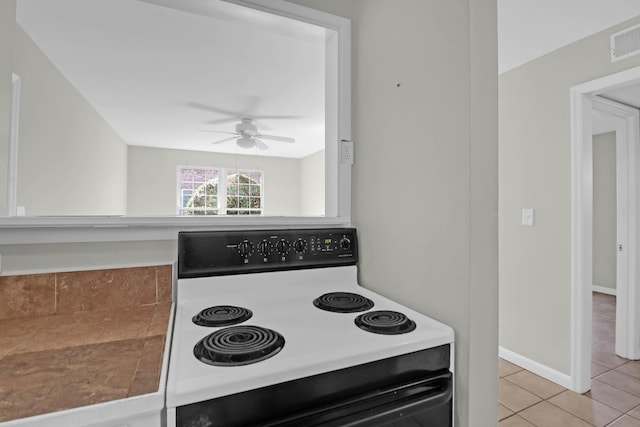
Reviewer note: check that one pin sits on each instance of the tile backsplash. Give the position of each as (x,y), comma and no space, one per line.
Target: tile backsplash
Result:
(93,290)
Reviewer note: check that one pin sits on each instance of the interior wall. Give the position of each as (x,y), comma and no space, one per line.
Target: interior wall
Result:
(604,211)
(535,172)
(152,179)
(70,162)
(425,203)
(7,27)
(312,184)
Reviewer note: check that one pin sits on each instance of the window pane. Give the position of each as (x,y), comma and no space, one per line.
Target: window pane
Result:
(199,192)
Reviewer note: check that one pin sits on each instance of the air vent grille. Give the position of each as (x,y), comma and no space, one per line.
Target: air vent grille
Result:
(625,43)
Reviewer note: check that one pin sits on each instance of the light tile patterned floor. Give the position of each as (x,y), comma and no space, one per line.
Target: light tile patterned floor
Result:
(528,400)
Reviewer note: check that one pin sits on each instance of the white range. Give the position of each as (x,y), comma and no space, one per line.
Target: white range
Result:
(272,329)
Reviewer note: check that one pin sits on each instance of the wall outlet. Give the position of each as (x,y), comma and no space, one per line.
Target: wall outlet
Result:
(346,152)
(21,211)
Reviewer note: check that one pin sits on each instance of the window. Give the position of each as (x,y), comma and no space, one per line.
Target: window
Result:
(218,191)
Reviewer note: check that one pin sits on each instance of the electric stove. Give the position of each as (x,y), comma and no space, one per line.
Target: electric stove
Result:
(272,328)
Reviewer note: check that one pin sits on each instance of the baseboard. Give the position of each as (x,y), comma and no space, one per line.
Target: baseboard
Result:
(604,290)
(537,368)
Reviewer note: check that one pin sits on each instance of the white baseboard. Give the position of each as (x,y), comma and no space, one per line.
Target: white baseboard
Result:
(604,290)
(537,368)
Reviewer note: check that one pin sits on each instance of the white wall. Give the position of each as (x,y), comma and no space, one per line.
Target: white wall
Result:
(312,184)
(604,210)
(7,26)
(535,172)
(152,182)
(70,162)
(425,172)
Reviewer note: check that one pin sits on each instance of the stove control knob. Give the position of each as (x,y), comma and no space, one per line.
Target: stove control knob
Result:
(264,248)
(245,248)
(345,243)
(282,247)
(300,245)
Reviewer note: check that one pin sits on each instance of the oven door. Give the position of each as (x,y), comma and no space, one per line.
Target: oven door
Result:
(426,403)
(408,390)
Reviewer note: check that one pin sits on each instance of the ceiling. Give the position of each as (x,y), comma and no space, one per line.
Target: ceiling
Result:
(162,72)
(528,29)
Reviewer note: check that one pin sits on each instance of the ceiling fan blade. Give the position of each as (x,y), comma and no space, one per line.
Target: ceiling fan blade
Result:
(261,145)
(235,115)
(276,138)
(224,140)
(219,131)
(222,121)
(275,117)
(199,106)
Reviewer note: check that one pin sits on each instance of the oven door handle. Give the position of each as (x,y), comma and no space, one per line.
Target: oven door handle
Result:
(395,402)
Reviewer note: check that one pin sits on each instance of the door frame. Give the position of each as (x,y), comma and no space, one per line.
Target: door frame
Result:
(583,101)
(625,119)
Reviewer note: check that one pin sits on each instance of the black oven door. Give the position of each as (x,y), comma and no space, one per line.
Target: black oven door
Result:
(409,390)
(425,403)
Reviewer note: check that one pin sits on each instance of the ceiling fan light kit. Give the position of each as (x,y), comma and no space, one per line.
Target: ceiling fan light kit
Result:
(245,142)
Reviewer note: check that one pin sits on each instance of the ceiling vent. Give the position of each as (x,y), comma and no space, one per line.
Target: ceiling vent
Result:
(625,43)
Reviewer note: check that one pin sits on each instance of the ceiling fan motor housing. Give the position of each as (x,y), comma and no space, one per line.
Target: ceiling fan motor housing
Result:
(247,128)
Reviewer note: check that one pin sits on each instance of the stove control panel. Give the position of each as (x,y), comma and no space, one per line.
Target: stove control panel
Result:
(210,253)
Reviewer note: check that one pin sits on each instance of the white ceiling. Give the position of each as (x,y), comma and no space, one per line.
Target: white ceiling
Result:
(160,75)
(528,29)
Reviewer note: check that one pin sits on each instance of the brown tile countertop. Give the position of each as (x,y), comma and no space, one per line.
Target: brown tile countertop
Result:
(66,359)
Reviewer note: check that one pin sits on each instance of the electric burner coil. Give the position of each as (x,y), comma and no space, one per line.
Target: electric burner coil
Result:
(238,345)
(343,302)
(385,322)
(222,315)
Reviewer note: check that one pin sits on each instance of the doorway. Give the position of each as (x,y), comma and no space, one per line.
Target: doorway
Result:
(585,101)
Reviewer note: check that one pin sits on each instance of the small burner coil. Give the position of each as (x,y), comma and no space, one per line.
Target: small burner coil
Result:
(222,315)
(238,345)
(343,302)
(385,322)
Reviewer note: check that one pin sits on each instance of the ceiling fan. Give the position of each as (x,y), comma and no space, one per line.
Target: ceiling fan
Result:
(247,136)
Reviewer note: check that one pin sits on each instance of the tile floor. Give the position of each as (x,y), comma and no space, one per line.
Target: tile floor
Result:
(527,400)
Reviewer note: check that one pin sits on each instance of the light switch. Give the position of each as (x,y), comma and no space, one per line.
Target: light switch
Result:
(527,217)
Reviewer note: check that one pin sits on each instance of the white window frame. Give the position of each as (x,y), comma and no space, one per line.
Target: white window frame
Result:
(21,230)
(222,207)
